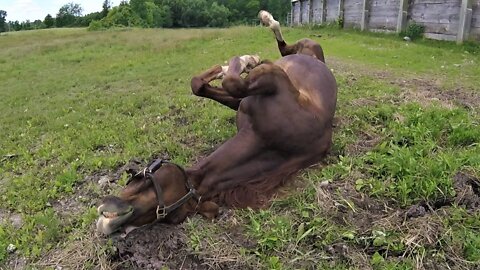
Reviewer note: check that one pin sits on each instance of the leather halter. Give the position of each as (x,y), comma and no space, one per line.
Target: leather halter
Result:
(163,210)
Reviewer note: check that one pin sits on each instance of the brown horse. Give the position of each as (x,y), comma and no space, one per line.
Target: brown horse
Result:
(284,112)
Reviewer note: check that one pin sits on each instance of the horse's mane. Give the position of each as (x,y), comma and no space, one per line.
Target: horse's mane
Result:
(256,192)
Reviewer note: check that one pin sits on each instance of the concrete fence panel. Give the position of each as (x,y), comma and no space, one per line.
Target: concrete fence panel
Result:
(352,13)
(332,10)
(384,14)
(440,17)
(443,19)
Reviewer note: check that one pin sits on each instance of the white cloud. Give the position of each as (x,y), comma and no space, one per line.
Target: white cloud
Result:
(22,10)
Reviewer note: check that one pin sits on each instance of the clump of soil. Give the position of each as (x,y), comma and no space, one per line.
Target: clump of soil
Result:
(467,189)
(155,246)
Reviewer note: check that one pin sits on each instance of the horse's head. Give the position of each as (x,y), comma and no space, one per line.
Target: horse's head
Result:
(160,192)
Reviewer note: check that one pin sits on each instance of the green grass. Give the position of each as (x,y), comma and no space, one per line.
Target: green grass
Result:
(75,102)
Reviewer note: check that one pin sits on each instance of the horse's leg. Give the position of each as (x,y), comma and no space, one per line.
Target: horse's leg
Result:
(303,46)
(267,19)
(244,169)
(201,87)
(238,159)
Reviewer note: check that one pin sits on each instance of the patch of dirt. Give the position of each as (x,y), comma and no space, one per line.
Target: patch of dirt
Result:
(161,245)
(366,141)
(363,102)
(16,262)
(414,88)
(88,191)
(467,188)
(427,92)
(154,247)
(346,206)
(421,225)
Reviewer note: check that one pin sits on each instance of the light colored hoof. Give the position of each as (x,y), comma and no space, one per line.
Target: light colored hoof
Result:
(266,18)
(222,74)
(250,61)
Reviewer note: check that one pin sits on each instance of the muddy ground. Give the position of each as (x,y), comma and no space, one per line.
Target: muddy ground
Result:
(154,247)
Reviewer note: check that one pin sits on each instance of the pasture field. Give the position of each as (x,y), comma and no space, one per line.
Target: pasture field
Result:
(400,190)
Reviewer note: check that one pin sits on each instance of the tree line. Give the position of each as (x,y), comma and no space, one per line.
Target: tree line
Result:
(156,13)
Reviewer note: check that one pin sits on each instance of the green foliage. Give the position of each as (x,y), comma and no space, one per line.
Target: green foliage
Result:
(96,26)
(118,16)
(106,6)
(201,13)
(67,14)
(218,15)
(3,21)
(49,21)
(413,158)
(414,31)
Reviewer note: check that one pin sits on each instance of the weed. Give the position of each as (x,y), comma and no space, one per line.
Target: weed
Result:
(414,31)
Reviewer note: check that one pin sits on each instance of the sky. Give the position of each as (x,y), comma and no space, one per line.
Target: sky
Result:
(32,10)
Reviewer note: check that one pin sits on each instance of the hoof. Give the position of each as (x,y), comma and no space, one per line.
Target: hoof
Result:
(266,18)
(250,61)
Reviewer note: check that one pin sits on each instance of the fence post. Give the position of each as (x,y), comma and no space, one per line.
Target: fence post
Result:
(364,23)
(324,11)
(300,18)
(310,12)
(341,13)
(402,16)
(465,21)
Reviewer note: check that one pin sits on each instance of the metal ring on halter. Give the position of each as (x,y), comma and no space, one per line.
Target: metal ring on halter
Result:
(161,212)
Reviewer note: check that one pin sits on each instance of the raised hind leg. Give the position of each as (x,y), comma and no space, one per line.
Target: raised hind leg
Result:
(303,46)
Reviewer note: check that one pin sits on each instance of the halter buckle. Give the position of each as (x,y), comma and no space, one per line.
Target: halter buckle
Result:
(161,212)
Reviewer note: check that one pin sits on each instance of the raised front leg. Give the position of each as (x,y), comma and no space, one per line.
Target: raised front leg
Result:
(201,87)
(260,81)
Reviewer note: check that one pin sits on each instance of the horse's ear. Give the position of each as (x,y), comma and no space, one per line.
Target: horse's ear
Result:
(208,209)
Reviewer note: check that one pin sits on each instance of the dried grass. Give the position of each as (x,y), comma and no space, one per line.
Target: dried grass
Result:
(86,251)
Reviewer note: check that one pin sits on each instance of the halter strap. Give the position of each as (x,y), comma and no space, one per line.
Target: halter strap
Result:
(163,210)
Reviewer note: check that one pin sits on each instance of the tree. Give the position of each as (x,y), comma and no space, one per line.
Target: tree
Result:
(195,13)
(105,8)
(67,14)
(16,26)
(38,24)
(218,15)
(49,21)
(3,20)
(121,15)
(162,17)
(176,7)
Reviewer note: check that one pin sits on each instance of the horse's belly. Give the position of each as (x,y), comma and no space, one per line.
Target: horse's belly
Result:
(283,127)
